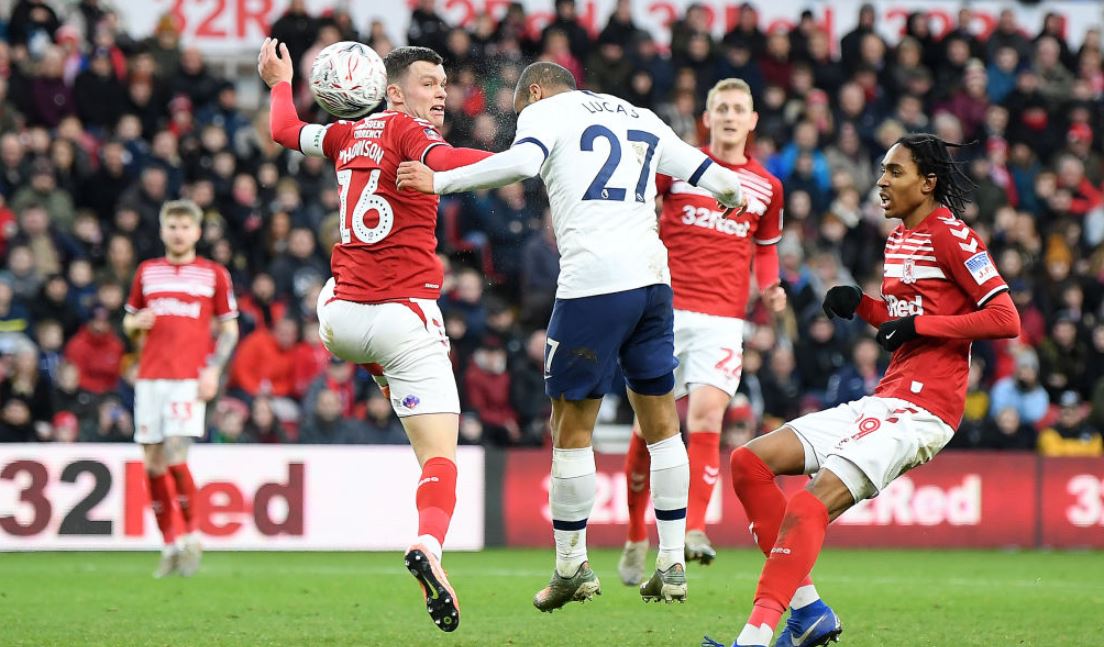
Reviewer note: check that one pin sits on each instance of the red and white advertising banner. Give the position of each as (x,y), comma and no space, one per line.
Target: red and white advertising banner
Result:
(1073,503)
(238,26)
(259,497)
(960,499)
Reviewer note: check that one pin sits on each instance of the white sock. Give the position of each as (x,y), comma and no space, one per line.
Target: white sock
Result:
(670,490)
(804,596)
(752,635)
(430,542)
(570,498)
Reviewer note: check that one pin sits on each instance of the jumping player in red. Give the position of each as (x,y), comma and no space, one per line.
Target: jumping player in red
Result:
(711,257)
(380,307)
(171,304)
(941,292)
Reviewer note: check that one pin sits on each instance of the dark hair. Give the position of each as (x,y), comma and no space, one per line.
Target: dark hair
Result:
(952,186)
(546,74)
(400,58)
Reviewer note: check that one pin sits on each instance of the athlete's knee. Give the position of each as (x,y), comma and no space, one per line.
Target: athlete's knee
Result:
(747,467)
(653,386)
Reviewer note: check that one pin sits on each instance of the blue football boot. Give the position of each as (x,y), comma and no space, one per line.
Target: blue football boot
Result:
(811,626)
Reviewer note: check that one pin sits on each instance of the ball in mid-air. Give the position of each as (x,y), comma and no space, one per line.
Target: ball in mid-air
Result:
(348,79)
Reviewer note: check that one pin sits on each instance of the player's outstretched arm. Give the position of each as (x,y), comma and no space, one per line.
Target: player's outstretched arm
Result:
(997,319)
(513,165)
(283,121)
(446,158)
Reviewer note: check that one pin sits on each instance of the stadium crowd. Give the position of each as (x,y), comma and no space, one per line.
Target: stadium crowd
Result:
(97,129)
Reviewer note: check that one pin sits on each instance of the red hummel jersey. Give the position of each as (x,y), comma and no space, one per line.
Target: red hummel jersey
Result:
(388,247)
(939,268)
(184,298)
(710,255)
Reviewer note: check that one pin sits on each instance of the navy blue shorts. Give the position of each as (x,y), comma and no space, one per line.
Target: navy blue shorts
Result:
(589,337)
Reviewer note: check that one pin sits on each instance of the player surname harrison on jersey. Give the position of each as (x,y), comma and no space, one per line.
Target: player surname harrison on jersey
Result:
(709,274)
(184,297)
(940,267)
(388,238)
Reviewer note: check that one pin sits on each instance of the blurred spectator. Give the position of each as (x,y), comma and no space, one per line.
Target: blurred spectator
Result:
(1071,434)
(97,92)
(264,363)
(32,23)
(527,396)
(112,423)
(380,425)
(97,352)
(1007,432)
(487,392)
(1021,391)
(324,425)
(26,409)
(51,98)
(857,379)
(1062,358)
(427,28)
(567,24)
(263,427)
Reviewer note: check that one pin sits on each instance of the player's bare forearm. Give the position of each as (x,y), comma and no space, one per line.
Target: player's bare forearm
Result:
(224,345)
(997,319)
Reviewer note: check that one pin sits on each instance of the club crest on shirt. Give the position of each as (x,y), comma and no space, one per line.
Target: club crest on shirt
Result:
(908,275)
(411,401)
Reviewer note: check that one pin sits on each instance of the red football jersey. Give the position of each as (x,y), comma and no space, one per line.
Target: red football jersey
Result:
(184,298)
(388,237)
(710,255)
(939,268)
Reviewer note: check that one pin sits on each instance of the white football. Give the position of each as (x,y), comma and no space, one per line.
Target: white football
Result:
(348,79)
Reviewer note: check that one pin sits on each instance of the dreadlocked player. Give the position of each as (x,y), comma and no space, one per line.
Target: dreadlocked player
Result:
(941,292)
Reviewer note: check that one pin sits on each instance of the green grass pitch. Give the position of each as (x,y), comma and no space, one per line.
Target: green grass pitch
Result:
(896,598)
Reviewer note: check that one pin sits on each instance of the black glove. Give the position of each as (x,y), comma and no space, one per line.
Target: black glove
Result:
(842,301)
(893,334)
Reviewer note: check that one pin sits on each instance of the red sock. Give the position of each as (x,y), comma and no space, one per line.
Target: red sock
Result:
(799,542)
(185,494)
(436,497)
(704,448)
(638,468)
(161,500)
(763,500)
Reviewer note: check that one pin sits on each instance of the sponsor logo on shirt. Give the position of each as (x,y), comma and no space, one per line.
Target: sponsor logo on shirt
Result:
(904,307)
(981,267)
(715,220)
(175,308)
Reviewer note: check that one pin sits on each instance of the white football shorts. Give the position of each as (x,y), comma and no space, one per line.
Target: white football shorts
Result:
(710,350)
(870,441)
(406,338)
(164,408)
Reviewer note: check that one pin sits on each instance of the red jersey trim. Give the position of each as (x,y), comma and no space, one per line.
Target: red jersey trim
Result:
(992,293)
(429,148)
(772,241)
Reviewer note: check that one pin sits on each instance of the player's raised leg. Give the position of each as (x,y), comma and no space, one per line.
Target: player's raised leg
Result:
(433,437)
(637,494)
(571,497)
(754,467)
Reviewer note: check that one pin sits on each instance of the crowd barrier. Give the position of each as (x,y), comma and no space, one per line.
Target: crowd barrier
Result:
(268,497)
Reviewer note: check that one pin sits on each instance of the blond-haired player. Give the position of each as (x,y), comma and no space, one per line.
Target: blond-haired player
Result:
(711,258)
(171,304)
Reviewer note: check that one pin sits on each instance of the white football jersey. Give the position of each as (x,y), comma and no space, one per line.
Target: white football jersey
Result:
(601,156)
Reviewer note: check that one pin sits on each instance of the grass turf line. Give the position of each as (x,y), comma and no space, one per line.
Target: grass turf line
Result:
(902,598)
